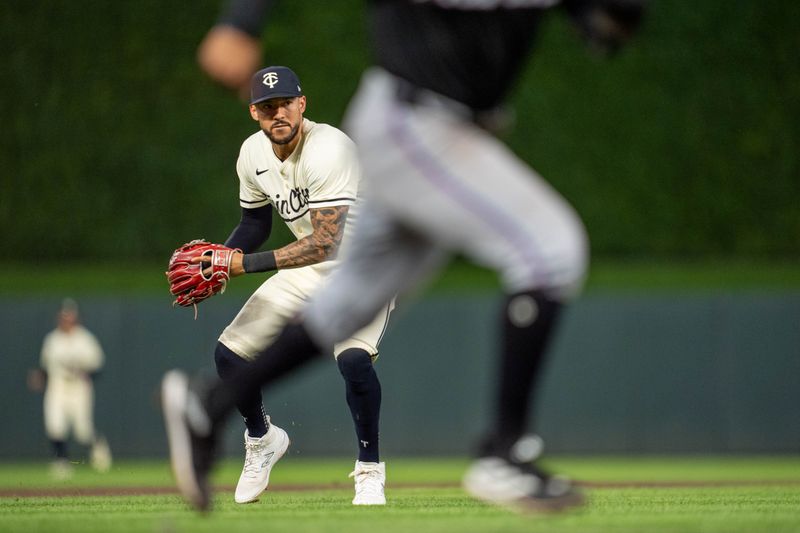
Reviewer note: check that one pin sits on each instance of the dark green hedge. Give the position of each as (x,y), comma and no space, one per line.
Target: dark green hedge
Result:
(115,146)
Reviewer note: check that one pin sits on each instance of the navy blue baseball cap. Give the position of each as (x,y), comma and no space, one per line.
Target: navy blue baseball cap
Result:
(274,82)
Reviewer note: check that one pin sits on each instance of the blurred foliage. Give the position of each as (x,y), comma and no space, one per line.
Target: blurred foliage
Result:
(114,146)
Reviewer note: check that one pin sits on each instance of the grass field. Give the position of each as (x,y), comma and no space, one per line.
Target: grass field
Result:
(661,494)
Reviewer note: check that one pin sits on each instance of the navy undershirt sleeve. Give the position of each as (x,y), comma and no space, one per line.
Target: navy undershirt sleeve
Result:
(246,15)
(253,230)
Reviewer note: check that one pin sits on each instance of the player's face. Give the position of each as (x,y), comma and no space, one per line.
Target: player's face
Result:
(67,320)
(280,118)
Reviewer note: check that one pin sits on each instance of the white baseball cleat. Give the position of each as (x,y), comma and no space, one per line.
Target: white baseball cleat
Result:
(370,480)
(261,454)
(100,455)
(61,469)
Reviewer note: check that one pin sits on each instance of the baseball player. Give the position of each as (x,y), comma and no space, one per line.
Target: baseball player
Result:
(70,356)
(308,175)
(438,181)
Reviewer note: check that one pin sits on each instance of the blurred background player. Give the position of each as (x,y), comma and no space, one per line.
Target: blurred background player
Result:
(437,182)
(71,357)
(308,173)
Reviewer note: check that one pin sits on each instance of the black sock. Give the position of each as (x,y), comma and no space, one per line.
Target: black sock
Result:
(292,349)
(364,399)
(60,449)
(250,406)
(528,320)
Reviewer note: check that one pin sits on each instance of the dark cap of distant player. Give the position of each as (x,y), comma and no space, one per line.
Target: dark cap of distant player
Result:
(274,82)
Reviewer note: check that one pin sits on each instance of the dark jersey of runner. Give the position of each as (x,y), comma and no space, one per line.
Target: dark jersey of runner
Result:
(470,56)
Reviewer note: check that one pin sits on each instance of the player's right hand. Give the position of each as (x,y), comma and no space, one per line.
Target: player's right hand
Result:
(36,380)
(230,56)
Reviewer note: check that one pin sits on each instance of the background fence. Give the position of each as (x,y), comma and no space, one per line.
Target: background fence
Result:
(711,373)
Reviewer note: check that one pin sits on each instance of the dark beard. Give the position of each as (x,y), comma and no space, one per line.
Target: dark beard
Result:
(284,140)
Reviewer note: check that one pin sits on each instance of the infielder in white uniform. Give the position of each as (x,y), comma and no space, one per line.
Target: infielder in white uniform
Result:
(70,356)
(308,174)
(437,182)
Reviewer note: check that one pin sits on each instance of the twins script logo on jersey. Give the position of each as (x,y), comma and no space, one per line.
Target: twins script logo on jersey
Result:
(270,79)
(290,208)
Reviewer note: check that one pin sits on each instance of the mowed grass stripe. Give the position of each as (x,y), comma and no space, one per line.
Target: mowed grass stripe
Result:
(62,492)
(731,510)
(403,471)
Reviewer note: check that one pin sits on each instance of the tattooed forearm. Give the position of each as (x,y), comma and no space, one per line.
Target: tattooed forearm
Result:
(321,245)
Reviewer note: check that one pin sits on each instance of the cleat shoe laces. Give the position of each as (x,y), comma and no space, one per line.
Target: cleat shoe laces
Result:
(370,479)
(261,454)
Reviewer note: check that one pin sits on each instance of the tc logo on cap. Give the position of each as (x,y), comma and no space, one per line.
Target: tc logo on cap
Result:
(270,79)
(274,82)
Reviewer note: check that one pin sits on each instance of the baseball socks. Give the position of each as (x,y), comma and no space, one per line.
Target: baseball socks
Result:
(60,449)
(506,472)
(250,406)
(528,320)
(292,349)
(363,393)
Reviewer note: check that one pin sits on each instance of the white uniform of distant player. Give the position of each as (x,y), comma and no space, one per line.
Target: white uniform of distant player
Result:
(69,358)
(323,171)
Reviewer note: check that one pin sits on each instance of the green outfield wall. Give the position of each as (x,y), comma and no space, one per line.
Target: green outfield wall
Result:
(113,145)
(694,372)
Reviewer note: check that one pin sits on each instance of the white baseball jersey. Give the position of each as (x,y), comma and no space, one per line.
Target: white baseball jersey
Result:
(323,171)
(69,358)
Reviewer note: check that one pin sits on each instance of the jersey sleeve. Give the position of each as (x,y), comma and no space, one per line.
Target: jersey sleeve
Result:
(94,356)
(246,15)
(333,173)
(46,354)
(250,195)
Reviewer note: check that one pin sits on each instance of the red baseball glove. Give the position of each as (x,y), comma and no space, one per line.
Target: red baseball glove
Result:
(191,283)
